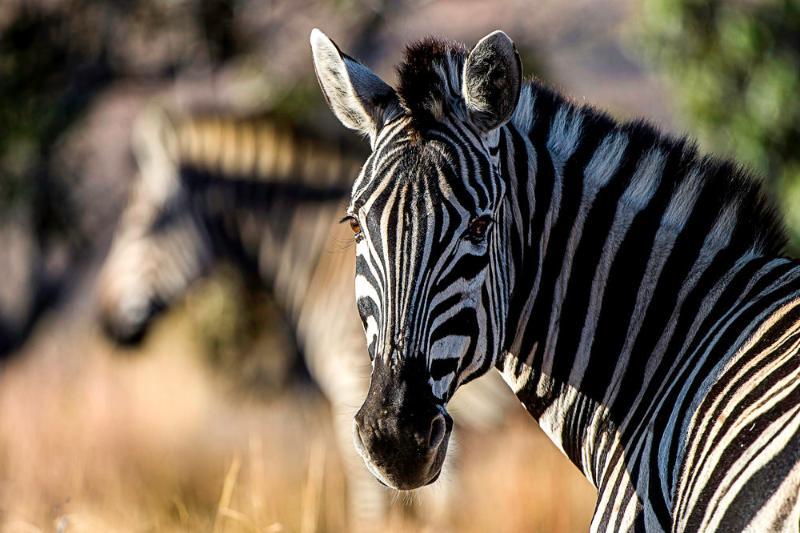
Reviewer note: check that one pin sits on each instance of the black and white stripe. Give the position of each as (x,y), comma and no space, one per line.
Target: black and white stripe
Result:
(266,197)
(630,290)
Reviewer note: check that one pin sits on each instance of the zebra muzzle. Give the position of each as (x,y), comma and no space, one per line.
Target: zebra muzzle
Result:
(402,430)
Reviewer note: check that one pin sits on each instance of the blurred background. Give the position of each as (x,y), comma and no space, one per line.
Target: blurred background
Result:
(209,425)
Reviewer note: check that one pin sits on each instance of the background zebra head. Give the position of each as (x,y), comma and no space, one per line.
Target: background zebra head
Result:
(428,217)
(159,248)
(250,190)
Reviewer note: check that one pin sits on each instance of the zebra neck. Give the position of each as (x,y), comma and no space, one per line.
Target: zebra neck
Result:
(274,232)
(621,242)
(291,252)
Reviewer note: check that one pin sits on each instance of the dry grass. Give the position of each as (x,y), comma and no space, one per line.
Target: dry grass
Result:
(91,440)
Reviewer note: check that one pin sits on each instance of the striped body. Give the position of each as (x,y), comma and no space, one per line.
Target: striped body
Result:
(655,339)
(630,290)
(266,197)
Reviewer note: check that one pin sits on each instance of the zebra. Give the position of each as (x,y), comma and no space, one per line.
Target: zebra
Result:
(631,291)
(266,196)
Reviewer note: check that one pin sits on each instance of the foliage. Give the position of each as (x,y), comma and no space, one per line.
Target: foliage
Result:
(46,79)
(734,69)
(242,333)
(57,59)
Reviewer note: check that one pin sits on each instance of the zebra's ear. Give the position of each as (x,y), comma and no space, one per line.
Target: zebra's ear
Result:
(492,80)
(356,95)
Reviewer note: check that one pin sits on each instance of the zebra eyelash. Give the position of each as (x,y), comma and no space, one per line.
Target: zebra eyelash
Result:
(355,225)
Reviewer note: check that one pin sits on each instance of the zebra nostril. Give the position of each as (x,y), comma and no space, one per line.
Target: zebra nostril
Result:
(437,433)
(358,437)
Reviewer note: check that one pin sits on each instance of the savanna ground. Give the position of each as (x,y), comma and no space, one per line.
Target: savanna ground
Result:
(94,438)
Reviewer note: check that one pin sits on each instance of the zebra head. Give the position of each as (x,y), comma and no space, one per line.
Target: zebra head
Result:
(158,248)
(428,215)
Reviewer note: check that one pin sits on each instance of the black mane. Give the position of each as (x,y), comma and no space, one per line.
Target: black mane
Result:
(421,88)
(430,85)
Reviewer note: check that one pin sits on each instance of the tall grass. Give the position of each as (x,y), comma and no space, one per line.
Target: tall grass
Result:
(93,440)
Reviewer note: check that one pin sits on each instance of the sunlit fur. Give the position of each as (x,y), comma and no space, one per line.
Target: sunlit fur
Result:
(631,291)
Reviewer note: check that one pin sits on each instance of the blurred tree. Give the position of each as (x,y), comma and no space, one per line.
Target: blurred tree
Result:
(47,77)
(49,72)
(56,58)
(734,69)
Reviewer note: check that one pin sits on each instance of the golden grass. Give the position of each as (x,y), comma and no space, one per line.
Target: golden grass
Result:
(92,440)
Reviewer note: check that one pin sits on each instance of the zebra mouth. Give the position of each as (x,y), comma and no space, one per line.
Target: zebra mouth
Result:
(402,430)
(129,331)
(122,334)
(401,471)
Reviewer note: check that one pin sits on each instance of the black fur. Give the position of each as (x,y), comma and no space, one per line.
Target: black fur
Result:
(421,87)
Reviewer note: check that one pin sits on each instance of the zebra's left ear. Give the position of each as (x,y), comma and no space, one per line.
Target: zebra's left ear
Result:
(492,80)
(356,95)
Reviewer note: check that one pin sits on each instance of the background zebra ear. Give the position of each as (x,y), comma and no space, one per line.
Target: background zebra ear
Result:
(154,141)
(492,80)
(356,95)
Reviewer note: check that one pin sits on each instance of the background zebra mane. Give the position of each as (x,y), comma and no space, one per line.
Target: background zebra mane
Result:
(267,149)
(251,148)
(430,86)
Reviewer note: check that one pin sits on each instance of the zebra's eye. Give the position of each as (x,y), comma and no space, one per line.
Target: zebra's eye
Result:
(478,227)
(354,225)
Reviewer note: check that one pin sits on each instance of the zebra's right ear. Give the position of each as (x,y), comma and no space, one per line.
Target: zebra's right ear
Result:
(356,95)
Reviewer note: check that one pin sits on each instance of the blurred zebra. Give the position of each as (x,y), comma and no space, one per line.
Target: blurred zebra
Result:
(630,290)
(266,197)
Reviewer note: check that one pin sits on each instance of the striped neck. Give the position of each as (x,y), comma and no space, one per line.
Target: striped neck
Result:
(621,242)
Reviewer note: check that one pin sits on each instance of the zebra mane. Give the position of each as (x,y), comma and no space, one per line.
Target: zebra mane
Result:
(430,79)
(725,180)
(430,86)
